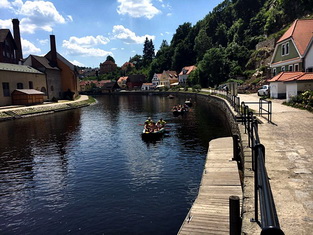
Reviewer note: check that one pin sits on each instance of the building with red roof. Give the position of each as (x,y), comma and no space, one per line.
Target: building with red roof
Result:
(292,61)
(293,51)
(183,75)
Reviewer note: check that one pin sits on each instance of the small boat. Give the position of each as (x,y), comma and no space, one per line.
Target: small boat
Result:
(154,134)
(171,97)
(188,102)
(180,110)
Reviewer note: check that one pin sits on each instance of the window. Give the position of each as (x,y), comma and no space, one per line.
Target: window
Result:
(283,69)
(296,67)
(43,89)
(6,89)
(274,72)
(283,49)
(30,85)
(19,85)
(290,68)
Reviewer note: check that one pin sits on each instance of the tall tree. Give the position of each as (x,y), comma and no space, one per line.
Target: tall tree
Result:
(110,58)
(148,52)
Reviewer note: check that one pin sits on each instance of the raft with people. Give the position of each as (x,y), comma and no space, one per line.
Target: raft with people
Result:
(152,129)
(180,109)
(188,102)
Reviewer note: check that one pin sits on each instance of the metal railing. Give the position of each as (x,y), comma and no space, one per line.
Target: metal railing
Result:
(262,190)
(262,108)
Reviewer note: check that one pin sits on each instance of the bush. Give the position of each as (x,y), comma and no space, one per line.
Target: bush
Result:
(196,88)
(304,100)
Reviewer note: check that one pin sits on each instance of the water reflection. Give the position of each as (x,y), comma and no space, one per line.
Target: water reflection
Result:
(89,171)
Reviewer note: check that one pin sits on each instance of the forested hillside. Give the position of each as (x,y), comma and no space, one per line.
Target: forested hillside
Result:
(222,43)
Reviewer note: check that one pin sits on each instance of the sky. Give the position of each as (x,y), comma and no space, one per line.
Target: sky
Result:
(87,31)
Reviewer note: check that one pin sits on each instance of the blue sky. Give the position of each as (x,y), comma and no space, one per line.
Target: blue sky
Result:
(88,31)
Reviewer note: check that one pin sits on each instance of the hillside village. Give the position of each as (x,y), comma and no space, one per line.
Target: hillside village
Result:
(51,77)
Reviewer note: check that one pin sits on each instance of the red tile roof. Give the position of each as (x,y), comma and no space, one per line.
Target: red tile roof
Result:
(302,32)
(292,76)
(189,69)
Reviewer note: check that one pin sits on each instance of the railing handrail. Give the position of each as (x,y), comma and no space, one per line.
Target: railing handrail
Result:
(263,194)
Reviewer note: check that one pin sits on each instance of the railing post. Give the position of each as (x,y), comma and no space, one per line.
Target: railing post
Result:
(236,148)
(234,215)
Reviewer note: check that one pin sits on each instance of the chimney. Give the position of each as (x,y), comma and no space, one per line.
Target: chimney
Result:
(53,51)
(17,39)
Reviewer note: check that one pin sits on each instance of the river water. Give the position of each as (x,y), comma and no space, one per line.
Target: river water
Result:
(88,171)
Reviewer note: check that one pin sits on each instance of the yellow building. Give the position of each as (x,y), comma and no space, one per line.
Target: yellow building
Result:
(13,76)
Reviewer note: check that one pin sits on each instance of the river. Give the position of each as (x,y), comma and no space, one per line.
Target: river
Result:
(88,171)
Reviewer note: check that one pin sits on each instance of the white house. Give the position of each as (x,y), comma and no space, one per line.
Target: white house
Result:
(183,75)
(292,61)
(147,86)
(156,79)
(289,84)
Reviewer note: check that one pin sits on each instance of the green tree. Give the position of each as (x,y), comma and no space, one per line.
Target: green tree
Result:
(202,43)
(148,52)
(110,58)
(213,69)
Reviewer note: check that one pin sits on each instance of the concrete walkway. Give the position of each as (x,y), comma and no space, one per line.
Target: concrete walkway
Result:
(289,162)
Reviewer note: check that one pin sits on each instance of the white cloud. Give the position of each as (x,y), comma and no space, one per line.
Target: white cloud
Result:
(89,41)
(85,46)
(5,24)
(5,4)
(29,48)
(127,36)
(137,8)
(35,15)
(77,63)
(43,42)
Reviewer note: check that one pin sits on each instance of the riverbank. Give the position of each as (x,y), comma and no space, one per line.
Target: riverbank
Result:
(18,111)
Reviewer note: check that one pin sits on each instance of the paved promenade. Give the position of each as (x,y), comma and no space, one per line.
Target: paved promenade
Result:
(289,162)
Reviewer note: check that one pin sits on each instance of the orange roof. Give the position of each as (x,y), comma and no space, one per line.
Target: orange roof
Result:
(189,69)
(301,31)
(122,79)
(292,76)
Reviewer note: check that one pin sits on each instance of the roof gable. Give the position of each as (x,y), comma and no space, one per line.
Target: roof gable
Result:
(43,61)
(301,31)
(6,34)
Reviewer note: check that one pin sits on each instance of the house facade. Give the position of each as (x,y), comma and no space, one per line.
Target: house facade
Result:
(121,82)
(107,67)
(61,75)
(52,74)
(183,75)
(292,61)
(167,78)
(290,84)
(134,82)
(293,51)
(156,79)
(11,48)
(14,76)
(147,86)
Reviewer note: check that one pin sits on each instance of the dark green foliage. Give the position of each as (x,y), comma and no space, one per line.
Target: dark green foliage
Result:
(148,52)
(110,58)
(222,44)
